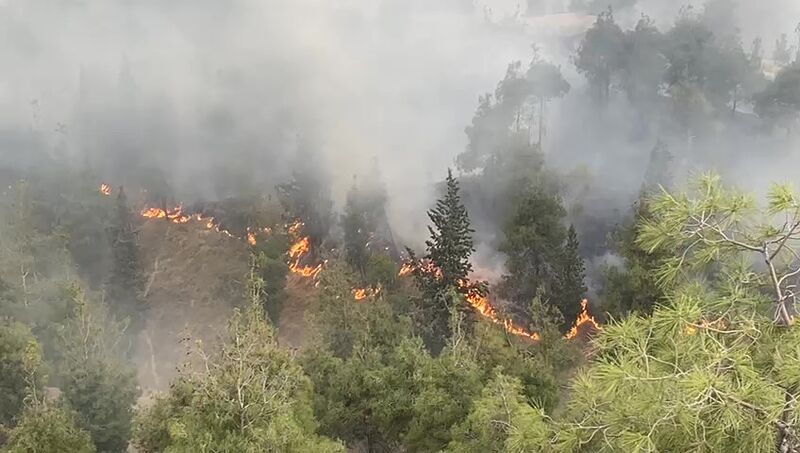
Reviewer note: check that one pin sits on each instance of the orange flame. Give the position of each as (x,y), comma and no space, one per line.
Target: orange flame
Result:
(174,215)
(105,189)
(298,251)
(482,305)
(406,269)
(362,293)
(584,318)
(478,301)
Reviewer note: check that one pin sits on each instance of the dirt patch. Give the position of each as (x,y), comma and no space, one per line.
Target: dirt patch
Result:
(195,277)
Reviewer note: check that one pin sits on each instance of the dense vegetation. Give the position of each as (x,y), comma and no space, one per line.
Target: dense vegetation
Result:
(411,350)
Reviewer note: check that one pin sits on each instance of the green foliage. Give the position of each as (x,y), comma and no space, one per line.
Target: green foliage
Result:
(387,391)
(501,421)
(381,271)
(542,256)
(448,250)
(504,123)
(447,386)
(251,397)
(21,371)
(633,288)
(269,264)
(46,428)
(643,71)
(569,286)
(711,369)
(33,268)
(689,378)
(450,243)
(537,366)
(368,396)
(94,381)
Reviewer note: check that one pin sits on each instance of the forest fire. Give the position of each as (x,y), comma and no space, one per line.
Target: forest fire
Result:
(406,269)
(583,319)
(362,293)
(105,189)
(482,305)
(298,250)
(176,215)
(475,298)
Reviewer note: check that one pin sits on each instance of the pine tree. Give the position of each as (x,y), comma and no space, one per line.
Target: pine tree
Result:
(633,289)
(94,382)
(534,240)
(126,283)
(357,228)
(448,251)
(570,280)
(450,244)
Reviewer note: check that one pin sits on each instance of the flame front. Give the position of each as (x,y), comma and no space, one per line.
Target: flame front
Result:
(105,189)
(482,305)
(406,269)
(474,297)
(174,215)
(362,293)
(584,318)
(298,250)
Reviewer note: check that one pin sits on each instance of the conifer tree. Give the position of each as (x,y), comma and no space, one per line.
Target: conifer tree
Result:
(570,279)
(633,288)
(93,380)
(126,283)
(448,251)
(534,240)
(450,244)
(357,226)
(367,234)
(715,367)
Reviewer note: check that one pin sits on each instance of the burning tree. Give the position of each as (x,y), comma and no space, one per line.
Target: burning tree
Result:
(306,197)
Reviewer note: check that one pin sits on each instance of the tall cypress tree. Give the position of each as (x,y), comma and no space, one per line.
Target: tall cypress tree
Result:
(450,244)
(448,250)
(126,282)
(533,244)
(570,280)
(358,225)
